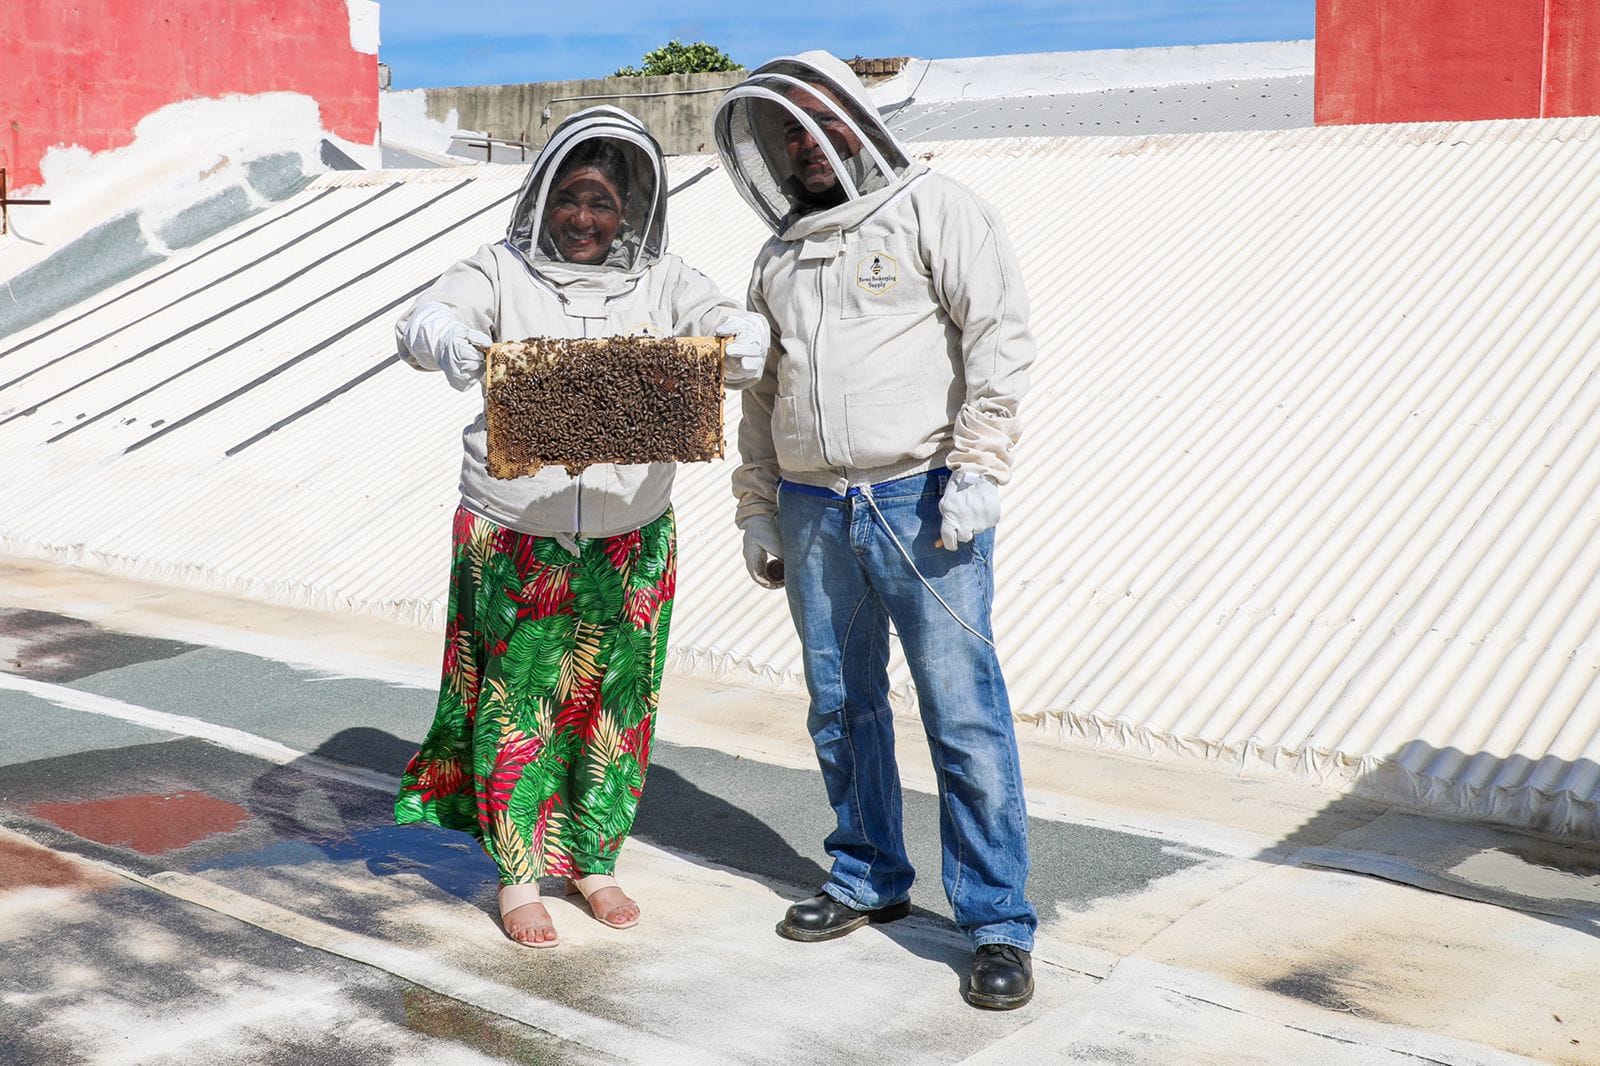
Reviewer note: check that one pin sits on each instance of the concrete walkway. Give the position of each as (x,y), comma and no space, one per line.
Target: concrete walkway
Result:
(197,865)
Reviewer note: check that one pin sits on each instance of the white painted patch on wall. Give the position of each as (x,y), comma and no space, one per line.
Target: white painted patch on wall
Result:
(363,25)
(403,118)
(180,154)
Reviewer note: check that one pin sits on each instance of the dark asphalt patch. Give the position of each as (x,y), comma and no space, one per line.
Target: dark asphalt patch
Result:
(55,648)
(769,822)
(761,820)
(307,710)
(439,1016)
(246,802)
(1327,987)
(35,729)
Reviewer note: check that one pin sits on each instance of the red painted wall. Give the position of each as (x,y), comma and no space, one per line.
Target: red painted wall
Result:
(1426,60)
(85,72)
(1572,86)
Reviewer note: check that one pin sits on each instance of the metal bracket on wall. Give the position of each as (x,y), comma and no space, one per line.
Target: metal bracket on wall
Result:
(488,143)
(6,203)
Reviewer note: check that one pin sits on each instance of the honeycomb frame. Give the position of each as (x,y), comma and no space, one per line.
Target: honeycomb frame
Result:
(578,402)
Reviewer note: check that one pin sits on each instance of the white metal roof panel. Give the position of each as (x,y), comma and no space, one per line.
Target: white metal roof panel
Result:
(1202,107)
(1308,482)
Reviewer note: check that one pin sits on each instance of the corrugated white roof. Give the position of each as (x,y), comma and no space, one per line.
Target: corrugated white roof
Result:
(1308,485)
(1199,107)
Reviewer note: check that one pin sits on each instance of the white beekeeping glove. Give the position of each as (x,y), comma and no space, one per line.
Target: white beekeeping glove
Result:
(970,505)
(746,355)
(763,551)
(435,335)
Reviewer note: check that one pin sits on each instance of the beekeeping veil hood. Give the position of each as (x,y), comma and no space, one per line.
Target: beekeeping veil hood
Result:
(811,93)
(620,146)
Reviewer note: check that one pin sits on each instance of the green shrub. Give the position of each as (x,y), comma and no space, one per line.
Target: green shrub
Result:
(675,57)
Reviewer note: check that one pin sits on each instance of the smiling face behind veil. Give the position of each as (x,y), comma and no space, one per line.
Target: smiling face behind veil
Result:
(587,205)
(594,198)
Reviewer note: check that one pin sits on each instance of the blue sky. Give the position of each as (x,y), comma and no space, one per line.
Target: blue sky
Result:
(427,43)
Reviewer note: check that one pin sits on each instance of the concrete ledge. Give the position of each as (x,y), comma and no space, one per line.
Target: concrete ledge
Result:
(676,107)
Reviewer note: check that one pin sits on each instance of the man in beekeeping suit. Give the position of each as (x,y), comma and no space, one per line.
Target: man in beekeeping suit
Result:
(872,451)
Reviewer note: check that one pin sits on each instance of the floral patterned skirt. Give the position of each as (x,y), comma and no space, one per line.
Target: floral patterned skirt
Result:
(552,672)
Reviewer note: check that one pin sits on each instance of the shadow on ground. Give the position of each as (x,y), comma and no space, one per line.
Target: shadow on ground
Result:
(1390,827)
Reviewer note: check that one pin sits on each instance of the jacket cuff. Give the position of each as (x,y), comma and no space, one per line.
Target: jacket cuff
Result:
(984,441)
(754,507)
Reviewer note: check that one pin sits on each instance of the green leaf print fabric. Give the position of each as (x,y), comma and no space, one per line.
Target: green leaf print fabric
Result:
(552,673)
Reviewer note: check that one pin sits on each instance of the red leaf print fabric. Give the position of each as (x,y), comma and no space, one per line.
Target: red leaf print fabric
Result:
(620,549)
(546,592)
(516,752)
(641,605)
(440,777)
(540,683)
(579,708)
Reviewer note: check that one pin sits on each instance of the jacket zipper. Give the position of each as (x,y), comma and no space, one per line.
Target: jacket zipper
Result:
(816,373)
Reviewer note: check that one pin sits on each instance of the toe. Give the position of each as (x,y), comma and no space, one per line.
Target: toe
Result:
(620,910)
(526,925)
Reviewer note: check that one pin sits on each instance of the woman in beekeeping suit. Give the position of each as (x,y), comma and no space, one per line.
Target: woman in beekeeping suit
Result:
(561,585)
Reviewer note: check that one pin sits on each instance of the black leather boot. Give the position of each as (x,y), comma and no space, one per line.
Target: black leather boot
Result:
(824,918)
(1002,977)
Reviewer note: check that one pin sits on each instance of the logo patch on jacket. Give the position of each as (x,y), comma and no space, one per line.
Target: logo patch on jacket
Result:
(877,273)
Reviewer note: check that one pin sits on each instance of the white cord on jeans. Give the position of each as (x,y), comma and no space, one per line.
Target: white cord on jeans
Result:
(866,491)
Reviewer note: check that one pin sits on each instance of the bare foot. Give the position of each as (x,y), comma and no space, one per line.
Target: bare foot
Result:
(609,904)
(525,920)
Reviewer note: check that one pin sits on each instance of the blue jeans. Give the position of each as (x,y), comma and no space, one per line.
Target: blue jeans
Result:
(847,581)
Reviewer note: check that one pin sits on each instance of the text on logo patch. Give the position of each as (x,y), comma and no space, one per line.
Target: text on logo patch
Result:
(877,273)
